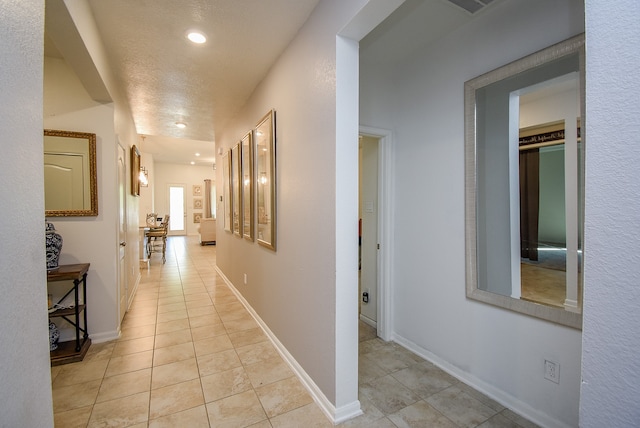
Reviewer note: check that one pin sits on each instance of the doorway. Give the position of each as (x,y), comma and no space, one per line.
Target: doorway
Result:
(368,228)
(177,209)
(376,237)
(123,288)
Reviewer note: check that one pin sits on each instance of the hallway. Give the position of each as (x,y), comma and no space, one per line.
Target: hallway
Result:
(190,355)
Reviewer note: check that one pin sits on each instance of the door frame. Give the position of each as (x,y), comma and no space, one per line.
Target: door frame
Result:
(182,232)
(123,278)
(385,231)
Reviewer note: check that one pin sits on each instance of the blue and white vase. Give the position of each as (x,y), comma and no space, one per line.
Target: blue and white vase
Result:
(54,245)
(54,336)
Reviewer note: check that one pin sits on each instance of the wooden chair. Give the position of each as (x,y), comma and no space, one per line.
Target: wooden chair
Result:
(155,234)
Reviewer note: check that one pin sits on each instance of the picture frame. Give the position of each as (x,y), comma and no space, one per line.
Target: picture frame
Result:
(226,189)
(197,217)
(236,201)
(246,173)
(135,171)
(197,204)
(265,166)
(76,153)
(197,190)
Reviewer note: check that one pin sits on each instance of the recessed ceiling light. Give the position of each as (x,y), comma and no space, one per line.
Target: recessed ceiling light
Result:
(193,163)
(196,37)
(181,125)
(197,154)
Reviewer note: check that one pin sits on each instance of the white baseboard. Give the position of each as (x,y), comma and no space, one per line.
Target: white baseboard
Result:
(132,295)
(335,415)
(368,321)
(104,337)
(508,401)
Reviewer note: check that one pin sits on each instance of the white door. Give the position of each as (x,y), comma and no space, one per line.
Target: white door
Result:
(122,231)
(177,209)
(369,230)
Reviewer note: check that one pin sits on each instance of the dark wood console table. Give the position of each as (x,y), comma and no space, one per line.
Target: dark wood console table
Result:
(72,351)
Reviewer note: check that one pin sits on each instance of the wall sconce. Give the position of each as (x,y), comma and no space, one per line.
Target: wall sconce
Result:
(144,177)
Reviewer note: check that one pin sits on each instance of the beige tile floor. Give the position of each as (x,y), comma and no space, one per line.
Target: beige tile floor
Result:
(190,355)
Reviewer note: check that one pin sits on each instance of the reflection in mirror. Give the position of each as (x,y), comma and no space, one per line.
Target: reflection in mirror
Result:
(70,182)
(524,184)
(247,186)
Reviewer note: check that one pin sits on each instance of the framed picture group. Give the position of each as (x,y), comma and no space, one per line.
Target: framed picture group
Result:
(249,192)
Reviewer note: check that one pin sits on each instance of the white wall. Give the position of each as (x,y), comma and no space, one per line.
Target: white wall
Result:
(294,288)
(610,365)
(25,379)
(80,234)
(166,174)
(421,100)
(94,239)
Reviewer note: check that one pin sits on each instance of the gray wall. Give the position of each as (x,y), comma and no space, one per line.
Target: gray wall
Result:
(25,377)
(421,100)
(610,390)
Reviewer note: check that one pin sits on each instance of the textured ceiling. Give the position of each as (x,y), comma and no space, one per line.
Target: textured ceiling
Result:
(414,25)
(167,79)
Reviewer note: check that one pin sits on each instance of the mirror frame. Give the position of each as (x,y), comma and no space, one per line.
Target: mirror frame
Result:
(90,139)
(557,51)
(135,171)
(265,133)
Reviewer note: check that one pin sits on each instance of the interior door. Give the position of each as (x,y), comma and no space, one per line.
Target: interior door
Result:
(122,231)
(177,209)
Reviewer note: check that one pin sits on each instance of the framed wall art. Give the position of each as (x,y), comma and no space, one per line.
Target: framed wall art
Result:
(236,201)
(197,204)
(265,165)
(135,171)
(70,177)
(197,190)
(226,190)
(246,172)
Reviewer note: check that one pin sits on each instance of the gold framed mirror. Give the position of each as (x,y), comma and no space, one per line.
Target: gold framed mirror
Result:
(70,177)
(135,171)
(265,164)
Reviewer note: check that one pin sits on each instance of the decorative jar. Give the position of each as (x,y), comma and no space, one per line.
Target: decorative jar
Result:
(53,245)
(54,336)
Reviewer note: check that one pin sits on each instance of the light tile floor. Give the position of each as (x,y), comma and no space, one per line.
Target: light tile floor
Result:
(190,355)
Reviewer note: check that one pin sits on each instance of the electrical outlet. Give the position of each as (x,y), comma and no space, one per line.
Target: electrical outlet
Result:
(245,279)
(552,371)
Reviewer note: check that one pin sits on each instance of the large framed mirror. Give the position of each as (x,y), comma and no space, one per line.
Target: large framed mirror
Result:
(70,178)
(524,184)
(265,164)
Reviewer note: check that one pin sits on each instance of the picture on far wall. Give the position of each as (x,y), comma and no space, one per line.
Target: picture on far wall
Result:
(197,190)
(197,217)
(197,204)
